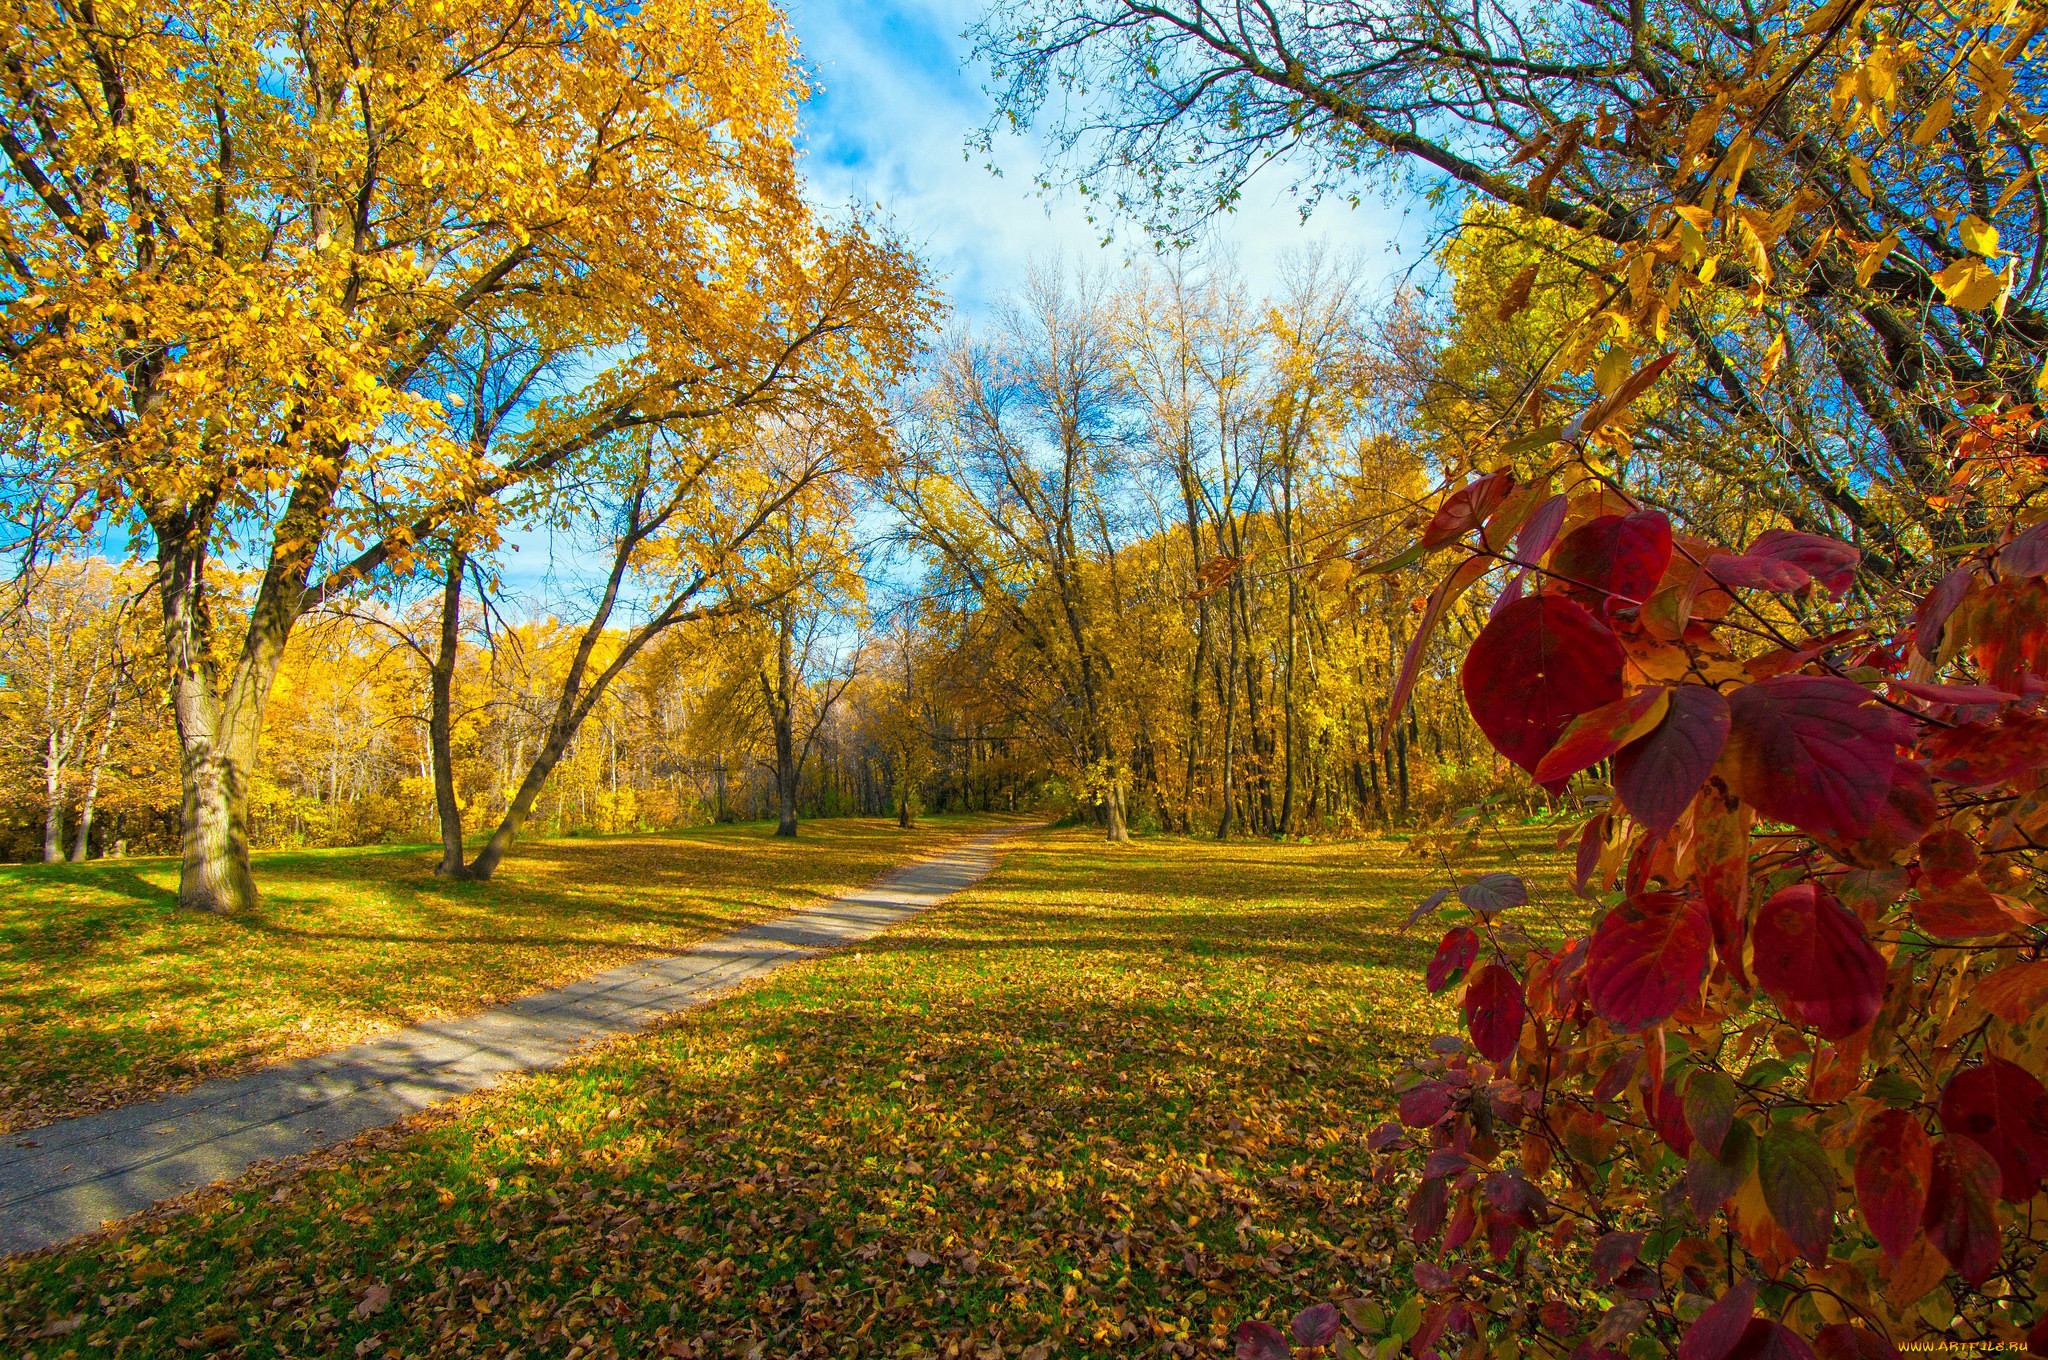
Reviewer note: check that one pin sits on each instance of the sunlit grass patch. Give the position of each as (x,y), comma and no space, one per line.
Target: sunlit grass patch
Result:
(1109,1103)
(109,993)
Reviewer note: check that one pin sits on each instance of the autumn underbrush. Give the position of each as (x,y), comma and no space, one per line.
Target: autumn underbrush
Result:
(109,993)
(1113,1101)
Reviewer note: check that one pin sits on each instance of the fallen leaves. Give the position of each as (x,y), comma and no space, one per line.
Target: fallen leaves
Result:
(1149,1080)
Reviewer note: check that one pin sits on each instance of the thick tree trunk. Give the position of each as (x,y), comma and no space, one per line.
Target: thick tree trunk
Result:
(1119,831)
(216,738)
(441,721)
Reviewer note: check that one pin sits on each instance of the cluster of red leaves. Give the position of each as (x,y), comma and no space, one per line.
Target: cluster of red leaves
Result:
(1784,1097)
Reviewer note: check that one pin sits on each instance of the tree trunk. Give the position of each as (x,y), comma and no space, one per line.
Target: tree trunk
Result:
(216,738)
(81,847)
(441,721)
(778,692)
(53,808)
(1119,832)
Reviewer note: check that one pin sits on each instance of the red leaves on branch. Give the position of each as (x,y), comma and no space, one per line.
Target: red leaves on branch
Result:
(1454,954)
(1815,960)
(1537,665)
(1827,562)
(1647,959)
(1614,561)
(1717,1331)
(2002,1108)
(1494,1012)
(1962,910)
(1814,751)
(1767,1340)
(1658,775)
(1467,508)
(1865,864)
(1894,1160)
(1960,1219)
(1593,737)
(1975,754)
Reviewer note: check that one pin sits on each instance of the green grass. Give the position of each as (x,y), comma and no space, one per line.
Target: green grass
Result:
(1109,1103)
(109,993)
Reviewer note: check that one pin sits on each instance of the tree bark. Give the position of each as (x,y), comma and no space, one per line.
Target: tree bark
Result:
(441,720)
(777,692)
(81,848)
(216,735)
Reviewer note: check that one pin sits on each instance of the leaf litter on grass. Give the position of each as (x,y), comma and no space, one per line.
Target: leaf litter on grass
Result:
(1109,1103)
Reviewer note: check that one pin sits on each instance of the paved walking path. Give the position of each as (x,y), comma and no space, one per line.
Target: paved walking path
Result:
(107,1166)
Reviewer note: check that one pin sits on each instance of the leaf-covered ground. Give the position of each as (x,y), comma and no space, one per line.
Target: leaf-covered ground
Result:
(1109,1103)
(109,993)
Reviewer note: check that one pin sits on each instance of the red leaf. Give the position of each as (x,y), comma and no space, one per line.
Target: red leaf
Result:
(1592,737)
(1615,559)
(1494,1012)
(1948,856)
(1963,910)
(1960,1219)
(1537,665)
(1717,1331)
(1658,775)
(1813,957)
(1710,1107)
(1467,508)
(1767,1340)
(1799,1188)
(1710,1179)
(1541,530)
(1842,1341)
(1894,1159)
(1667,1112)
(1974,754)
(1758,573)
(1814,751)
(1515,1196)
(1908,810)
(1829,561)
(1315,1325)
(1459,947)
(1647,959)
(1424,1105)
(2026,556)
(1587,858)
(1952,694)
(1457,583)
(1260,1341)
(1427,1208)
(2002,1108)
(1614,1253)
(1935,607)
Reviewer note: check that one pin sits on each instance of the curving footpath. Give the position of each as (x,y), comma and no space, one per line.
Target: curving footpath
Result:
(68,1178)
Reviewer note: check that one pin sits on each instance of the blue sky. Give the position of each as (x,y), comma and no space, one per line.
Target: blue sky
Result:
(896,102)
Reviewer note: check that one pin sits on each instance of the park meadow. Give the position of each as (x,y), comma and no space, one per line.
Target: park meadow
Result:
(639,717)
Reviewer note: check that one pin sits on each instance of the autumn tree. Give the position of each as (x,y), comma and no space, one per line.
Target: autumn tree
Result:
(72,662)
(238,237)
(1868,248)
(1010,481)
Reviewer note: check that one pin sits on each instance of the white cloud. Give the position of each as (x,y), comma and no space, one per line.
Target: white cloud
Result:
(898,102)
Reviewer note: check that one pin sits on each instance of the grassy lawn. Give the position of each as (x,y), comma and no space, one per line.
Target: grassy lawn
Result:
(1108,1103)
(109,993)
